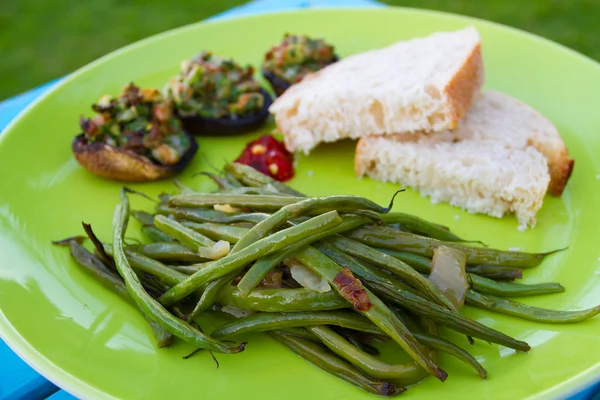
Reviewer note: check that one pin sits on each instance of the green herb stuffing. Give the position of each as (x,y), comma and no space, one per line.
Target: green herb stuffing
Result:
(296,56)
(214,87)
(141,121)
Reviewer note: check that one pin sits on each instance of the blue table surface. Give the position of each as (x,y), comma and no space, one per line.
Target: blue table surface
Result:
(17,379)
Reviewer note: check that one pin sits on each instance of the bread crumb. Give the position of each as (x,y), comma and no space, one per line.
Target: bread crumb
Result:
(310,173)
(456,217)
(514,249)
(522,228)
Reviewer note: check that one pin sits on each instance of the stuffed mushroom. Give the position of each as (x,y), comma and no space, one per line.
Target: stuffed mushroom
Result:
(217,96)
(293,58)
(134,137)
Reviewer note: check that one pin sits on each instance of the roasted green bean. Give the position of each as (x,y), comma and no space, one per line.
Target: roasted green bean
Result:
(283,300)
(424,246)
(169,252)
(209,215)
(421,227)
(323,359)
(524,311)
(403,270)
(322,204)
(480,283)
(377,311)
(251,177)
(236,261)
(215,231)
(108,279)
(259,270)
(257,202)
(408,373)
(145,302)
(275,321)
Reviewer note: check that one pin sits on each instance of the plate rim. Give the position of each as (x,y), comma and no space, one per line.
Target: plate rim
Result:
(80,389)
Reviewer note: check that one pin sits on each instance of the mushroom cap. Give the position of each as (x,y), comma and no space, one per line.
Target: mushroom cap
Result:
(125,165)
(226,126)
(279,85)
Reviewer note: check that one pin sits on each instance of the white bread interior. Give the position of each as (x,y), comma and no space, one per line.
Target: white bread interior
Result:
(502,158)
(422,84)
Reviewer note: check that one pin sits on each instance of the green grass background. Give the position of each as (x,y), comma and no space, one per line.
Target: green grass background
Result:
(43,40)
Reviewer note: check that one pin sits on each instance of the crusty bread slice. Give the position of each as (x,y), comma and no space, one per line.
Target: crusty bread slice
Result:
(481,176)
(498,116)
(423,84)
(503,157)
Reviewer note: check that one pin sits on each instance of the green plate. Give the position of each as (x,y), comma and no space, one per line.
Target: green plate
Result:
(89,342)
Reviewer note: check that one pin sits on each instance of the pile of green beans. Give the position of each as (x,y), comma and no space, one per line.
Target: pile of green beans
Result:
(244,253)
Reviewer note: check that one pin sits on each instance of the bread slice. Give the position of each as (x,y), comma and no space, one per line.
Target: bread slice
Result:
(423,84)
(480,176)
(498,116)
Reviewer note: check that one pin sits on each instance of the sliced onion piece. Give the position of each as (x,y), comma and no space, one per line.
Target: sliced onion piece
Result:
(448,273)
(306,277)
(219,250)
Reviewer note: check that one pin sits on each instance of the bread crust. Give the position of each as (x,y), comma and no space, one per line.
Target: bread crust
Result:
(561,169)
(464,85)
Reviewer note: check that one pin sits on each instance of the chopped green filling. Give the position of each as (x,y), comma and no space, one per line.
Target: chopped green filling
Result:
(296,56)
(214,87)
(137,120)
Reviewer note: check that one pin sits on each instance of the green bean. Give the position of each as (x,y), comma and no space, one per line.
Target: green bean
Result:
(438,343)
(266,190)
(408,298)
(511,289)
(185,236)
(360,269)
(209,215)
(232,180)
(480,283)
(322,204)
(251,177)
(145,302)
(154,234)
(423,264)
(168,251)
(259,270)
(420,263)
(151,266)
(300,333)
(424,246)
(282,300)
(143,217)
(441,316)
(217,231)
(496,271)
(234,262)
(356,340)
(183,188)
(94,266)
(221,182)
(421,227)
(275,321)
(258,202)
(378,312)
(524,311)
(404,271)
(408,372)
(322,358)
(185,269)
(211,293)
